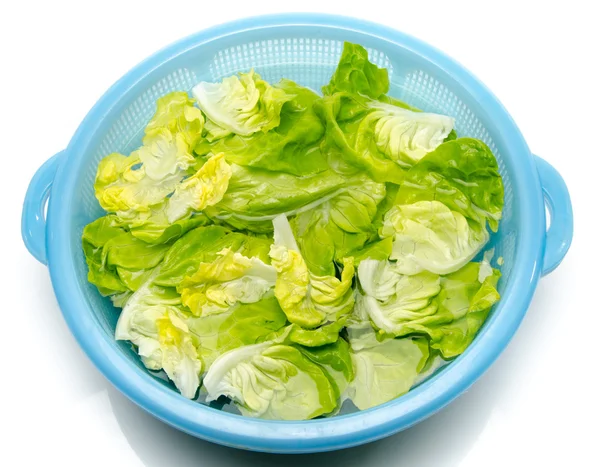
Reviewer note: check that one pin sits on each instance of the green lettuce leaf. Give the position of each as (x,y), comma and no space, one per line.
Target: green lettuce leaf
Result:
(469,301)
(440,216)
(462,174)
(202,245)
(292,147)
(366,130)
(308,300)
(274,382)
(356,74)
(404,135)
(381,138)
(255,196)
(448,309)
(117,261)
(243,105)
(158,233)
(429,236)
(205,188)
(328,232)
(192,195)
(433,364)
(348,146)
(336,361)
(177,113)
(243,324)
(154,322)
(386,370)
(230,279)
(123,187)
(155,191)
(323,335)
(384,367)
(378,250)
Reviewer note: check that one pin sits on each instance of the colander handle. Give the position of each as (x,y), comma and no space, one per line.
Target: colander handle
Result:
(33,220)
(560,232)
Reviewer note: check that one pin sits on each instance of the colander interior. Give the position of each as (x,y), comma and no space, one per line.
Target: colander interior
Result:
(308,55)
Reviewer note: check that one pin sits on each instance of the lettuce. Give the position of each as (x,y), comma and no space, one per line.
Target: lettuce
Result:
(384,139)
(154,322)
(323,335)
(293,147)
(177,113)
(117,261)
(230,279)
(328,232)
(405,136)
(243,105)
(255,196)
(272,381)
(448,309)
(202,245)
(384,367)
(205,188)
(369,131)
(155,191)
(291,251)
(439,220)
(356,74)
(346,150)
(308,300)
(243,324)
(463,175)
(386,370)
(379,250)
(336,361)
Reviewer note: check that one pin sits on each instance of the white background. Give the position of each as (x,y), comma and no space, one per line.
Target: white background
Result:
(538,405)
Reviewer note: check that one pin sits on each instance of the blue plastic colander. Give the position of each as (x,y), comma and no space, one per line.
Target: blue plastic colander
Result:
(306,49)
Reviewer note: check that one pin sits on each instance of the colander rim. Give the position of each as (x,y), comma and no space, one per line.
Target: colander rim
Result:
(313,435)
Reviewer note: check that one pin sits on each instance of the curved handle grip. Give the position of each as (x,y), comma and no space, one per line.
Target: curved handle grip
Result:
(33,220)
(558,201)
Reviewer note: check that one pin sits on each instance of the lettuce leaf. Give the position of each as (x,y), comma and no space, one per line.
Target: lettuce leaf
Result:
(328,232)
(448,309)
(292,147)
(154,322)
(243,324)
(378,250)
(403,135)
(323,335)
(156,189)
(272,381)
(177,113)
(307,300)
(428,236)
(384,367)
(386,371)
(243,105)
(336,361)
(230,279)
(255,197)
(369,131)
(441,211)
(117,261)
(346,150)
(380,138)
(202,245)
(205,188)
(462,174)
(356,74)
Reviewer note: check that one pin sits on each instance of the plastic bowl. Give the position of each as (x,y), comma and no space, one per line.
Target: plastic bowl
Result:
(304,48)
